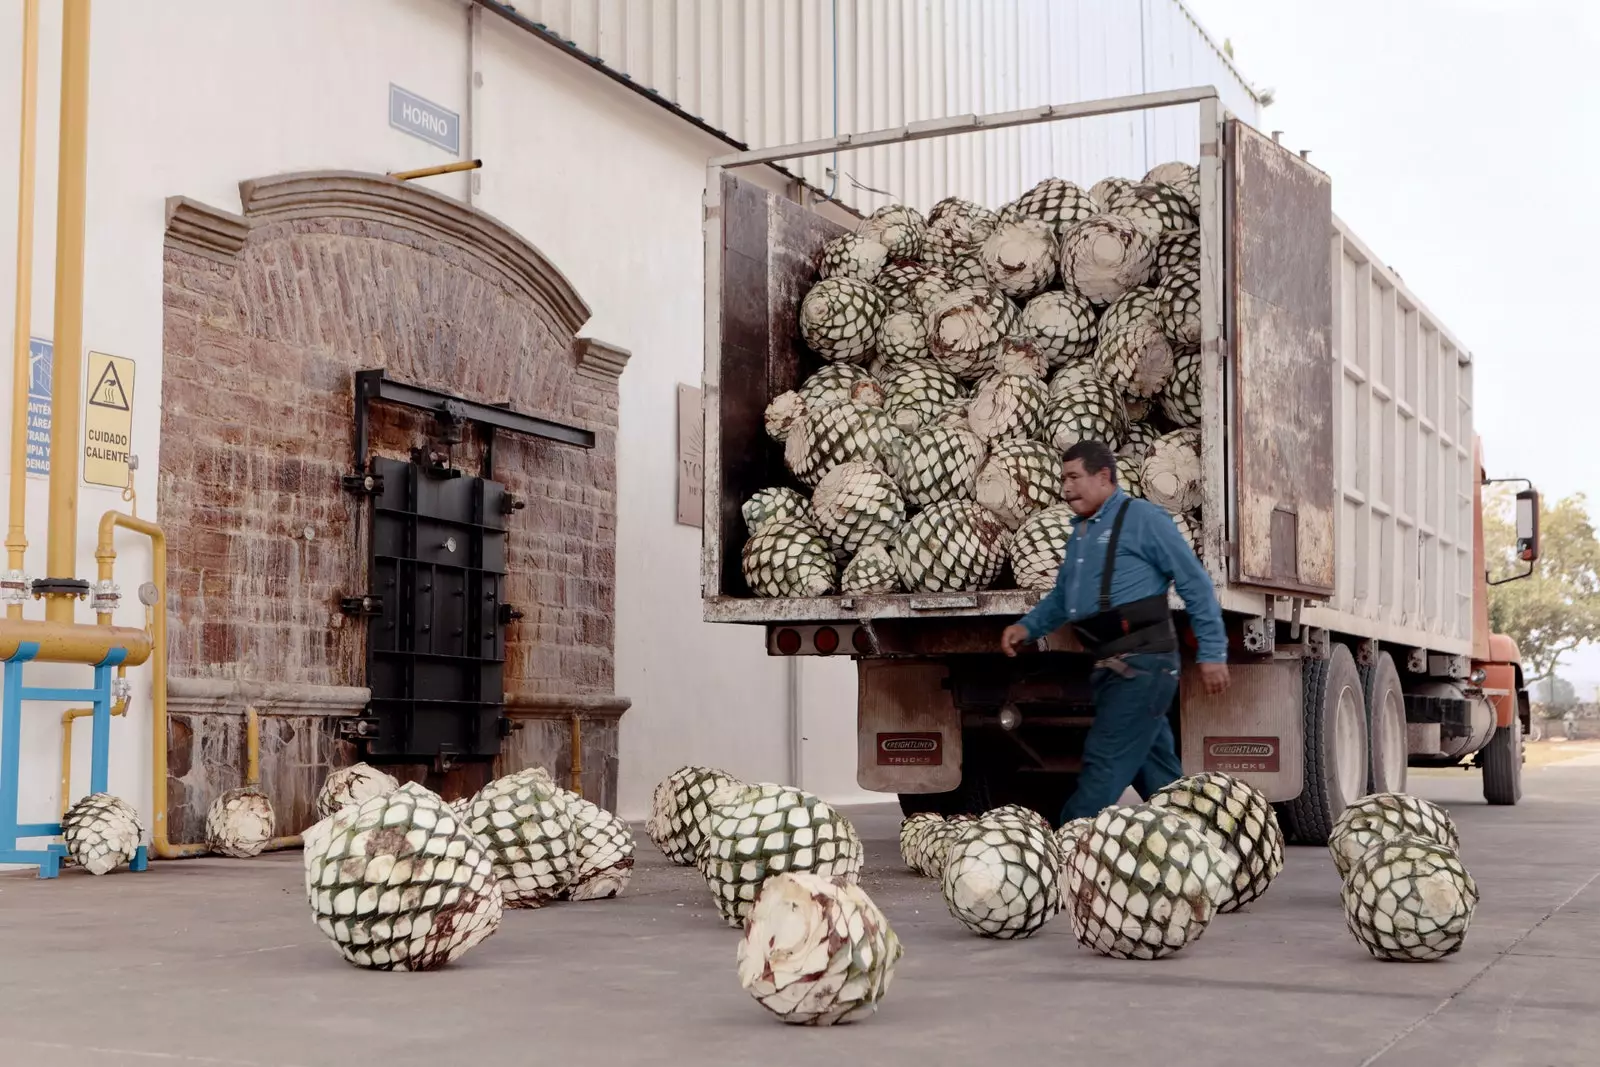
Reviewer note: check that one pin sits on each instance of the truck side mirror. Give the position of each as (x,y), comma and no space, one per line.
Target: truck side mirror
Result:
(1528,525)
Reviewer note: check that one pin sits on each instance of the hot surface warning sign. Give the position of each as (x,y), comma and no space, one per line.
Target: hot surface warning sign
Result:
(108,420)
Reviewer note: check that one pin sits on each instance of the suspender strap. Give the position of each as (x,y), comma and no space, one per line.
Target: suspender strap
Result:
(1111,557)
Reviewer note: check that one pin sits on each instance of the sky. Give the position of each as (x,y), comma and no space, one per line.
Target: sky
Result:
(1461,139)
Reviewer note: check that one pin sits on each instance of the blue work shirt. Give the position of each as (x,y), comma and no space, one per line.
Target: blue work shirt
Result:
(1151,556)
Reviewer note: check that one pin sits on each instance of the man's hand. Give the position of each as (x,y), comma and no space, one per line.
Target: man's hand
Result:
(1013,636)
(1215,677)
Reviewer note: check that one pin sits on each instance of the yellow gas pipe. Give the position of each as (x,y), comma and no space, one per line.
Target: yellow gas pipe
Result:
(66,741)
(66,394)
(252,771)
(17,531)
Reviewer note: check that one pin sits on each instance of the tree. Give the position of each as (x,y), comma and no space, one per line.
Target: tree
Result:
(1557,609)
(1556,693)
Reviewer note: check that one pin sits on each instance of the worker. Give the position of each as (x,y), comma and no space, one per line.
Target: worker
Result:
(1121,558)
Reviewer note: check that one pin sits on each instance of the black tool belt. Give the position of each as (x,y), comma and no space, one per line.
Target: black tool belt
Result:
(1138,626)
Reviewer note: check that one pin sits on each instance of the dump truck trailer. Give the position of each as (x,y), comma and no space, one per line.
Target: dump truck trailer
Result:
(1341,521)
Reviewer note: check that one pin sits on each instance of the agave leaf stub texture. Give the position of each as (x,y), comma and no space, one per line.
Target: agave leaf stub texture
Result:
(604,862)
(785,558)
(1178,294)
(1380,817)
(767,829)
(857,504)
(351,785)
(1067,835)
(964,223)
(1137,360)
(916,831)
(870,572)
(1088,409)
(1001,877)
(852,255)
(1154,208)
(1144,883)
(524,820)
(840,317)
(1018,479)
(903,336)
(1237,818)
(1063,323)
(1176,250)
(1189,529)
(1053,201)
(782,413)
(1184,178)
(239,823)
(1107,191)
(1171,472)
(680,806)
(897,283)
(1180,399)
(919,392)
(1019,258)
(952,546)
(817,951)
(831,384)
(398,884)
(1409,899)
(940,463)
(1020,354)
(965,328)
(898,228)
(1040,545)
(101,832)
(846,433)
(1008,407)
(1105,256)
(779,503)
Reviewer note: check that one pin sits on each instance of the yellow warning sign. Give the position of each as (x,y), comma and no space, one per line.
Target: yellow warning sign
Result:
(108,420)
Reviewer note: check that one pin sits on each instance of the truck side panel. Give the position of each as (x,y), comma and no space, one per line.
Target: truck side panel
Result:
(1280,329)
(769,253)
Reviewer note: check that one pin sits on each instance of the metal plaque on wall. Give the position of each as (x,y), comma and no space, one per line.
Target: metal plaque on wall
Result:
(691,457)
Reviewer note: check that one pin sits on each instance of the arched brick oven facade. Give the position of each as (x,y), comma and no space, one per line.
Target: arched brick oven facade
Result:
(268,314)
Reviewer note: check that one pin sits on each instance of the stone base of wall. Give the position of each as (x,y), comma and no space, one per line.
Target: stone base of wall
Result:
(300,745)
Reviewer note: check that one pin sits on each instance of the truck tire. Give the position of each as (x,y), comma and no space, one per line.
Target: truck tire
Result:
(1502,765)
(1386,726)
(1336,755)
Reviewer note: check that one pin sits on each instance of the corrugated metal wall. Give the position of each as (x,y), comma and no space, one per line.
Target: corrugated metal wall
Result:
(772,72)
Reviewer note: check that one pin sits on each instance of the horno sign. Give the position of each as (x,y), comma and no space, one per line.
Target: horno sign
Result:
(423,118)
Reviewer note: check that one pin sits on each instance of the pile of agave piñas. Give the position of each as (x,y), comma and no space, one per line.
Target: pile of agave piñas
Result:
(782,865)
(1406,895)
(962,354)
(400,879)
(1139,882)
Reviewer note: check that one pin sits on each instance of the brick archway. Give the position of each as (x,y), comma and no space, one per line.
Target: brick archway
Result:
(267,316)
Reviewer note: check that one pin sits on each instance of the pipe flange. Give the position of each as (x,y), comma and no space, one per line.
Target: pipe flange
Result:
(104,597)
(121,690)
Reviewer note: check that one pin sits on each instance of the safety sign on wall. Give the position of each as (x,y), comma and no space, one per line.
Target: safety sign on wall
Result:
(40,364)
(108,420)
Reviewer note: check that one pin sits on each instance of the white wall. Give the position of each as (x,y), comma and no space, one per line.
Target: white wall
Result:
(190,97)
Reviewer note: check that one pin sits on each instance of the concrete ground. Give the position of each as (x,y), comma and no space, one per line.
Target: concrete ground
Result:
(216,962)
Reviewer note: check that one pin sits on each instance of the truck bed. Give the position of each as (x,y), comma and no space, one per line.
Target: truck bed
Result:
(1337,410)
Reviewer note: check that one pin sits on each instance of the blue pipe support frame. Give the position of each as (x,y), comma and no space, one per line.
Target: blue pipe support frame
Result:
(48,859)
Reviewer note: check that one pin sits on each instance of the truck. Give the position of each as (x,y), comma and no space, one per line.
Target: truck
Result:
(1341,524)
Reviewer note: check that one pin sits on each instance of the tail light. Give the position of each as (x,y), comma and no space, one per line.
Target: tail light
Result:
(827,640)
(788,641)
(862,641)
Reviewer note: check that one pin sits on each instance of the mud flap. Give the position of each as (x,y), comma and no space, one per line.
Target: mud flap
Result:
(908,732)
(1254,731)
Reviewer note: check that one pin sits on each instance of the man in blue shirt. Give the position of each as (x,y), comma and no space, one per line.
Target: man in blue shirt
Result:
(1123,555)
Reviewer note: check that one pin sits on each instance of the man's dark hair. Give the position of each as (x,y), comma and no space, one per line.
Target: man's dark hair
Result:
(1096,456)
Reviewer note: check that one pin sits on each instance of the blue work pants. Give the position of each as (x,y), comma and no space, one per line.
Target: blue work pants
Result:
(1131,741)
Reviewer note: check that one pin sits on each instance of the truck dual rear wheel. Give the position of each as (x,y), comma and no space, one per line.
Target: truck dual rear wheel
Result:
(1336,753)
(1502,765)
(1386,725)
